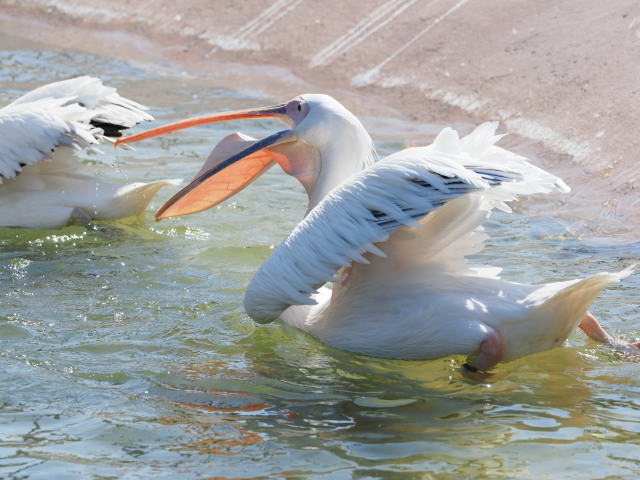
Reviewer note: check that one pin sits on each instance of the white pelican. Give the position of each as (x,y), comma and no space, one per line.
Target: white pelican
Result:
(393,237)
(41,184)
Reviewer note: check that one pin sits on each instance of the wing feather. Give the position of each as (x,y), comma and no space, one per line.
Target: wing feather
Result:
(394,193)
(75,113)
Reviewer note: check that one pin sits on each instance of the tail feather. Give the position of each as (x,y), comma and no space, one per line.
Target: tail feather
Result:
(579,295)
(130,200)
(570,303)
(556,310)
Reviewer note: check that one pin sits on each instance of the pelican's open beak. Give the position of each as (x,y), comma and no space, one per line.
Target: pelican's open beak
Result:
(219,179)
(231,166)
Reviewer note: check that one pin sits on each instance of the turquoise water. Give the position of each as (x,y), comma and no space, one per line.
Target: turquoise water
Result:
(125,351)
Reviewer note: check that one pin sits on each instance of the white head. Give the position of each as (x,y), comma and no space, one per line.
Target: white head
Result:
(342,144)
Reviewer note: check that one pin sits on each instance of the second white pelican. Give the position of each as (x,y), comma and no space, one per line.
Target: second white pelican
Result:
(393,237)
(42,184)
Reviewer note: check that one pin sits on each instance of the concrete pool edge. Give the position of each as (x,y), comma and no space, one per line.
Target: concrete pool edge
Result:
(599,165)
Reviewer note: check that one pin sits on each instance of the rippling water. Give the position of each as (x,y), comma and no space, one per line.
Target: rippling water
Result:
(125,351)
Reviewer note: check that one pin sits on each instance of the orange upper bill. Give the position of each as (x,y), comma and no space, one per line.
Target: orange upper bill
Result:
(275,111)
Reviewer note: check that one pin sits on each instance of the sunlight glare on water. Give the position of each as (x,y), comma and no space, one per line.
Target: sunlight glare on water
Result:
(126,352)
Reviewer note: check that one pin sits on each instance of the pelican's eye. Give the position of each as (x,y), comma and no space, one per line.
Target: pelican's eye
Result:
(297,109)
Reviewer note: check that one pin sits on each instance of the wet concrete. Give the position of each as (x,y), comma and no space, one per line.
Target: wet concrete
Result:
(563,77)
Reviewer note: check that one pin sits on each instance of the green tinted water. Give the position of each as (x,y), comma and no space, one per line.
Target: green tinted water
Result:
(125,351)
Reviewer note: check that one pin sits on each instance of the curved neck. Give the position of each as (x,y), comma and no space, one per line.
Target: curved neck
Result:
(338,164)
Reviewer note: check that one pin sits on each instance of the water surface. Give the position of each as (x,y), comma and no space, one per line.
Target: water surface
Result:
(125,351)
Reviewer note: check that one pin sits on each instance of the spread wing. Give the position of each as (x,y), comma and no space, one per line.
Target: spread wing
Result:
(399,191)
(75,113)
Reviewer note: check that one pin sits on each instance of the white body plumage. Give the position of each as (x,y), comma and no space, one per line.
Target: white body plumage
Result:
(397,235)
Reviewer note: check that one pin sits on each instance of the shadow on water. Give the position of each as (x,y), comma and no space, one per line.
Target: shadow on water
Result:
(125,351)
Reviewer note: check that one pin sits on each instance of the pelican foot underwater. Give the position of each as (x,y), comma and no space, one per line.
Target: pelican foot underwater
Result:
(42,185)
(392,237)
